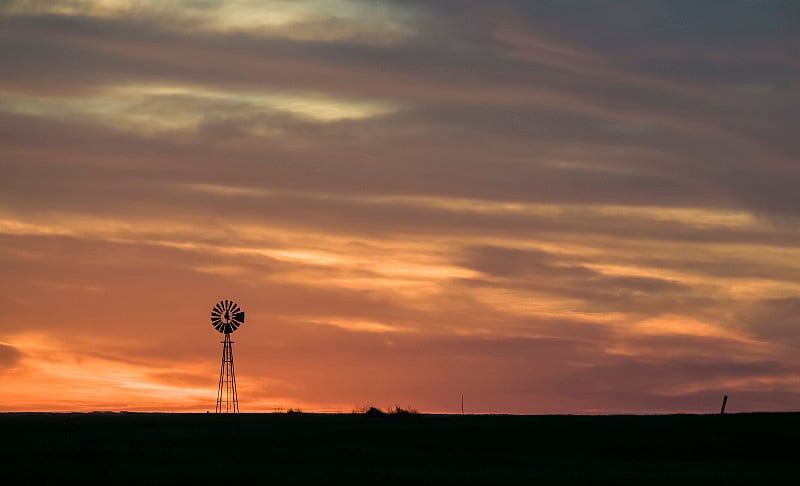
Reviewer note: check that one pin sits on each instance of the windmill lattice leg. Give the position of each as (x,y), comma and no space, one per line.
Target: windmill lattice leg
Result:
(227,398)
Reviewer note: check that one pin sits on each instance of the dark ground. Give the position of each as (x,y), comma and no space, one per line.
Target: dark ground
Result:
(148,448)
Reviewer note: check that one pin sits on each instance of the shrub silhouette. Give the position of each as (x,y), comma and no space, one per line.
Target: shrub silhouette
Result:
(403,411)
(374,412)
(377,412)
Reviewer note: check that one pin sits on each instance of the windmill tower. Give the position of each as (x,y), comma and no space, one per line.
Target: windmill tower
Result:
(226,317)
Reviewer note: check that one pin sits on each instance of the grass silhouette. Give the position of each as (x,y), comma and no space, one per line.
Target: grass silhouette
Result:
(312,448)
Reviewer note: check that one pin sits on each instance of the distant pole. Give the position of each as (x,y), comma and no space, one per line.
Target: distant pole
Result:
(724,401)
(462,404)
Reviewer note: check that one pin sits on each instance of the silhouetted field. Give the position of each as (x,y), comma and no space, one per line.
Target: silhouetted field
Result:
(409,449)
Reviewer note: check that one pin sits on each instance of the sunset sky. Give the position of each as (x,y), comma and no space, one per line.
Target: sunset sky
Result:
(557,206)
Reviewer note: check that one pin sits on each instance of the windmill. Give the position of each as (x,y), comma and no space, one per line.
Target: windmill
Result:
(226,317)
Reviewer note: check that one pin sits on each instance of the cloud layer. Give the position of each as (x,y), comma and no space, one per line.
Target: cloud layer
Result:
(548,208)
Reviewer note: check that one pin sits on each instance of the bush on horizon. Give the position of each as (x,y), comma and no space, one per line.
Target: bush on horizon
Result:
(372,411)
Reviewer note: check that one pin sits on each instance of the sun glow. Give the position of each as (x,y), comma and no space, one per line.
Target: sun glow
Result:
(86,381)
